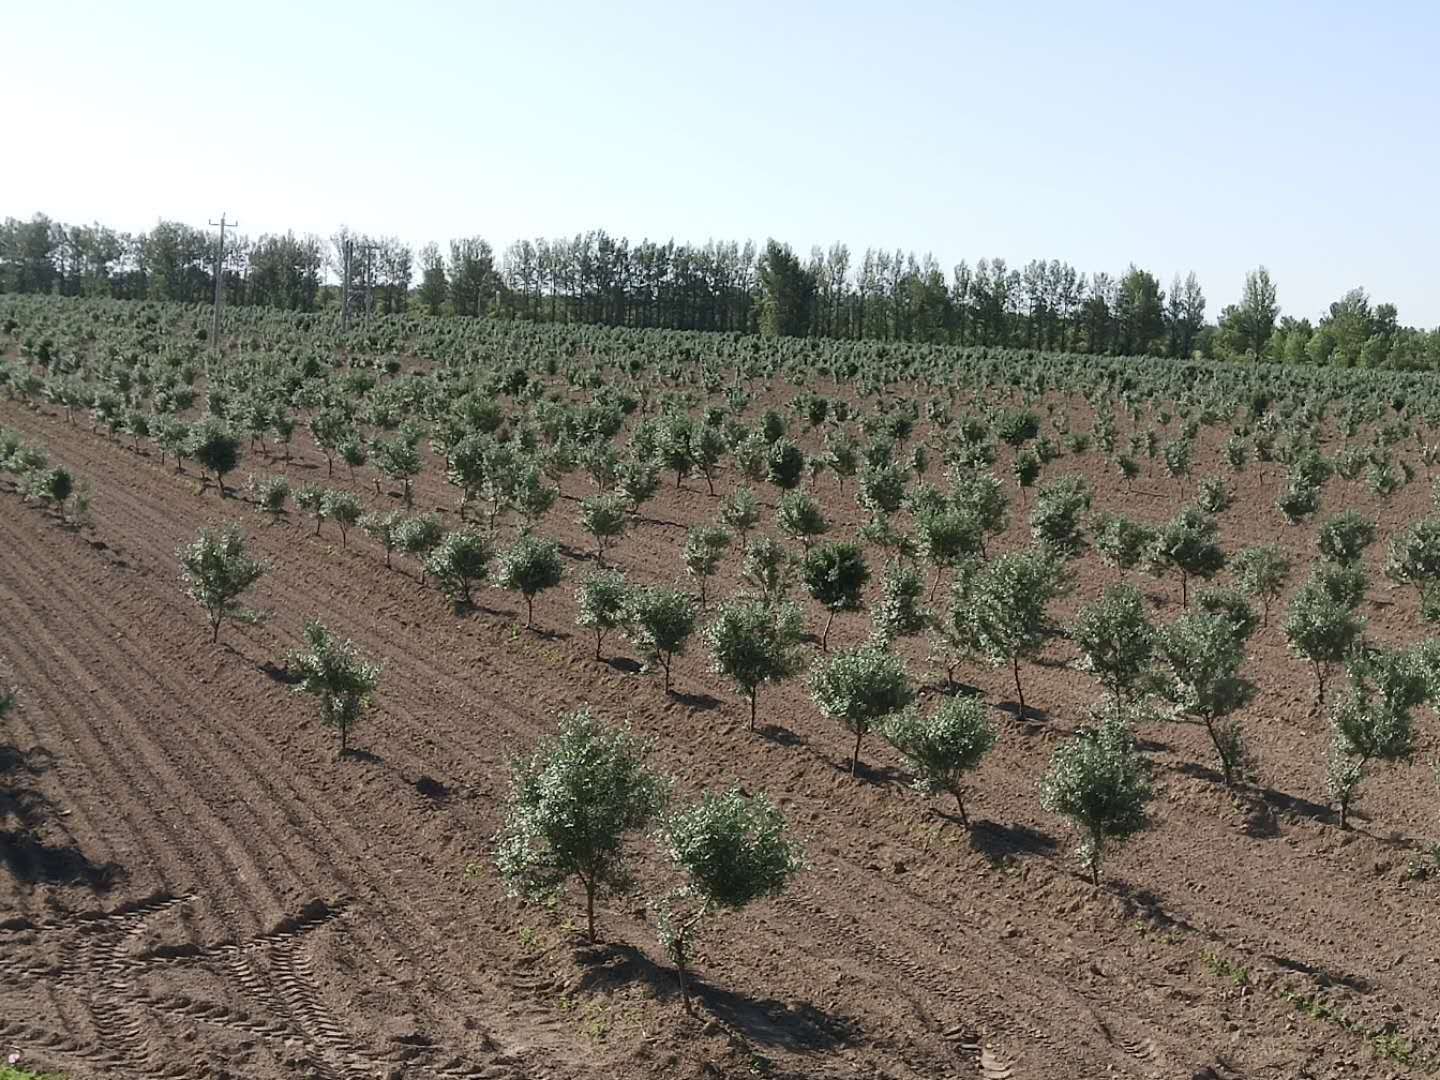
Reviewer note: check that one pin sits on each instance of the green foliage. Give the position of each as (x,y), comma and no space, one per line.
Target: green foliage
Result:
(901,612)
(385,529)
(1016,427)
(399,460)
(1414,557)
(882,488)
(1188,543)
(215,449)
(836,575)
(530,566)
(1231,605)
(733,850)
(860,689)
(1322,630)
(1007,603)
(752,642)
(1055,520)
(458,561)
(638,480)
(1344,537)
(947,537)
(1213,495)
(1298,501)
(531,496)
(1115,639)
(1101,783)
(1202,655)
(1344,584)
(982,496)
(416,536)
(943,746)
(798,516)
(603,517)
(1026,469)
(311,499)
(343,508)
(741,511)
(216,571)
(784,464)
(767,567)
(1374,722)
(335,673)
(1177,458)
(1261,573)
(1122,543)
(572,803)
(270,493)
(707,448)
(705,546)
(603,600)
(659,623)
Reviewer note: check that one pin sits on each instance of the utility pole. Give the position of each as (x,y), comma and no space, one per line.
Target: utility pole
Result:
(219,283)
(348,251)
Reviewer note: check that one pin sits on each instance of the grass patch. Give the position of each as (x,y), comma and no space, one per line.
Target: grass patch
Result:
(1225,969)
(12,1072)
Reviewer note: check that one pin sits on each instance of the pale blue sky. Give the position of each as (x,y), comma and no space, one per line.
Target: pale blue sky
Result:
(1214,137)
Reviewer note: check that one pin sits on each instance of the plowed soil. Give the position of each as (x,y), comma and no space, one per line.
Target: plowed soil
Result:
(202,889)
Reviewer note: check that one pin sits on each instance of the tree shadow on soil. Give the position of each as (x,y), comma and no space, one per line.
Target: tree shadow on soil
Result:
(279,674)
(953,689)
(780,735)
(1034,720)
(1149,905)
(643,520)
(1324,976)
(364,757)
(1300,807)
(1197,771)
(580,554)
(427,787)
(793,1026)
(698,702)
(25,853)
(625,665)
(875,774)
(995,841)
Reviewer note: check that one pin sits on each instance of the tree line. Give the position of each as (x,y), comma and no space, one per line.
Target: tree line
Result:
(594,278)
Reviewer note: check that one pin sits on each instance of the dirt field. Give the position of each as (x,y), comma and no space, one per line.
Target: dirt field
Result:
(213,894)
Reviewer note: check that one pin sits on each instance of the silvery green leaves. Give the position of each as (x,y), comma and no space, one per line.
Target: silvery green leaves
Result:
(1101,783)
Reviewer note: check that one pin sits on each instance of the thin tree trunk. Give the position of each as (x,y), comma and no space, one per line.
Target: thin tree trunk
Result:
(752,708)
(855,757)
(680,973)
(590,910)
(825,637)
(960,802)
(529,613)
(1019,692)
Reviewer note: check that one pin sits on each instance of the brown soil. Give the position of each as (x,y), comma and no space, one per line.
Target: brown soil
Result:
(206,891)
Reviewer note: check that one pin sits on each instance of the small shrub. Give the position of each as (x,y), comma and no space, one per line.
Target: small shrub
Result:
(336,673)
(943,746)
(529,567)
(1100,782)
(860,689)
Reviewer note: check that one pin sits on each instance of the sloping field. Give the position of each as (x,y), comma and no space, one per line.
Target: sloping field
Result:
(208,892)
